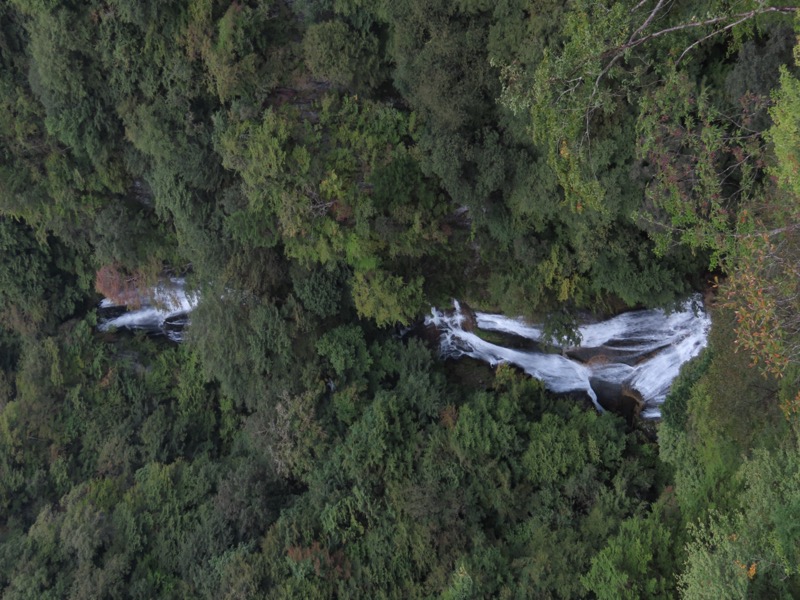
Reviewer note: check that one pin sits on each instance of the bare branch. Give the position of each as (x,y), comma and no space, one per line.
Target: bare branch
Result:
(638,6)
(694,24)
(710,35)
(647,21)
(616,53)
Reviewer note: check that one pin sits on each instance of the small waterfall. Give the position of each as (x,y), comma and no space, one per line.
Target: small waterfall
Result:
(164,311)
(639,351)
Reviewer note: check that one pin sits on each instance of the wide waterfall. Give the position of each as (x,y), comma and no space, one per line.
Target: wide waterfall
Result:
(163,310)
(639,353)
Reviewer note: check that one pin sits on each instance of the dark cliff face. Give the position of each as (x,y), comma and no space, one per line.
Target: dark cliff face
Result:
(609,353)
(618,398)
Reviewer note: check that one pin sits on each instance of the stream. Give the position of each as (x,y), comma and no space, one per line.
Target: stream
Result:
(163,310)
(637,354)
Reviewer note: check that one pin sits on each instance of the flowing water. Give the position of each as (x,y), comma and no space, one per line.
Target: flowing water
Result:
(164,310)
(640,351)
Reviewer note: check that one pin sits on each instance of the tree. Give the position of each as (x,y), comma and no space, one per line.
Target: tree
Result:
(290,435)
(386,298)
(343,56)
(751,552)
(611,52)
(441,65)
(636,563)
(763,285)
(319,290)
(346,350)
(601,39)
(41,282)
(70,86)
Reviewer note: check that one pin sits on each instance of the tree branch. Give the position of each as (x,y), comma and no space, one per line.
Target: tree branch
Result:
(634,41)
(710,35)
(647,21)
(638,6)
(713,21)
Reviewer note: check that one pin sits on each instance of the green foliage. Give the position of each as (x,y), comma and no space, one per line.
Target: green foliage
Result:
(707,169)
(441,64)
(335,52)
(786,131)
(753,551)
(319,291)
(323,170)
(41,282)
(728,410)
(249,346)
(409,487)
(712,570)
(78,106)
(346,350)
(387,299)
(675,411)
(637,562)
(559,450)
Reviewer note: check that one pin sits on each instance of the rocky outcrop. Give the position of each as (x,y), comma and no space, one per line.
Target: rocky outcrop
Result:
(620,399)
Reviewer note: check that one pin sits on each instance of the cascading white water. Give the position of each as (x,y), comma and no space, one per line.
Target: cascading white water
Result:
(639,350)
(164,310)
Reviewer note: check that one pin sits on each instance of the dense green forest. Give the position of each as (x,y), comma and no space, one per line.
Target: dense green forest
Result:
(322,172)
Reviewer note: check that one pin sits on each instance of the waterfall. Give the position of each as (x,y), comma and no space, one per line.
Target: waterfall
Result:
(164,311)
(639,351)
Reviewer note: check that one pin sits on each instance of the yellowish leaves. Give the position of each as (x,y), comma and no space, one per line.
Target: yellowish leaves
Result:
(749,570)
(791,408)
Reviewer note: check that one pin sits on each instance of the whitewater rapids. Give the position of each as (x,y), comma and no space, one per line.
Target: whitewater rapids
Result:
(164,311)
(639,350)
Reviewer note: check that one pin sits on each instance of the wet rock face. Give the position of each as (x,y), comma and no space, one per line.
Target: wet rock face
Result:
(469,321)
(432,334)
(618,398)
(607,391)
(111,312)
(166,311)
(608,353)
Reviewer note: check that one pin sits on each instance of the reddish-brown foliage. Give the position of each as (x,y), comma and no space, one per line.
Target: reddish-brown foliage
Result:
(119,286)
(448,416)
(331,565)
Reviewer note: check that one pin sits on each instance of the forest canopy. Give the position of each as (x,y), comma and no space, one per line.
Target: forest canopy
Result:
(321,173)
